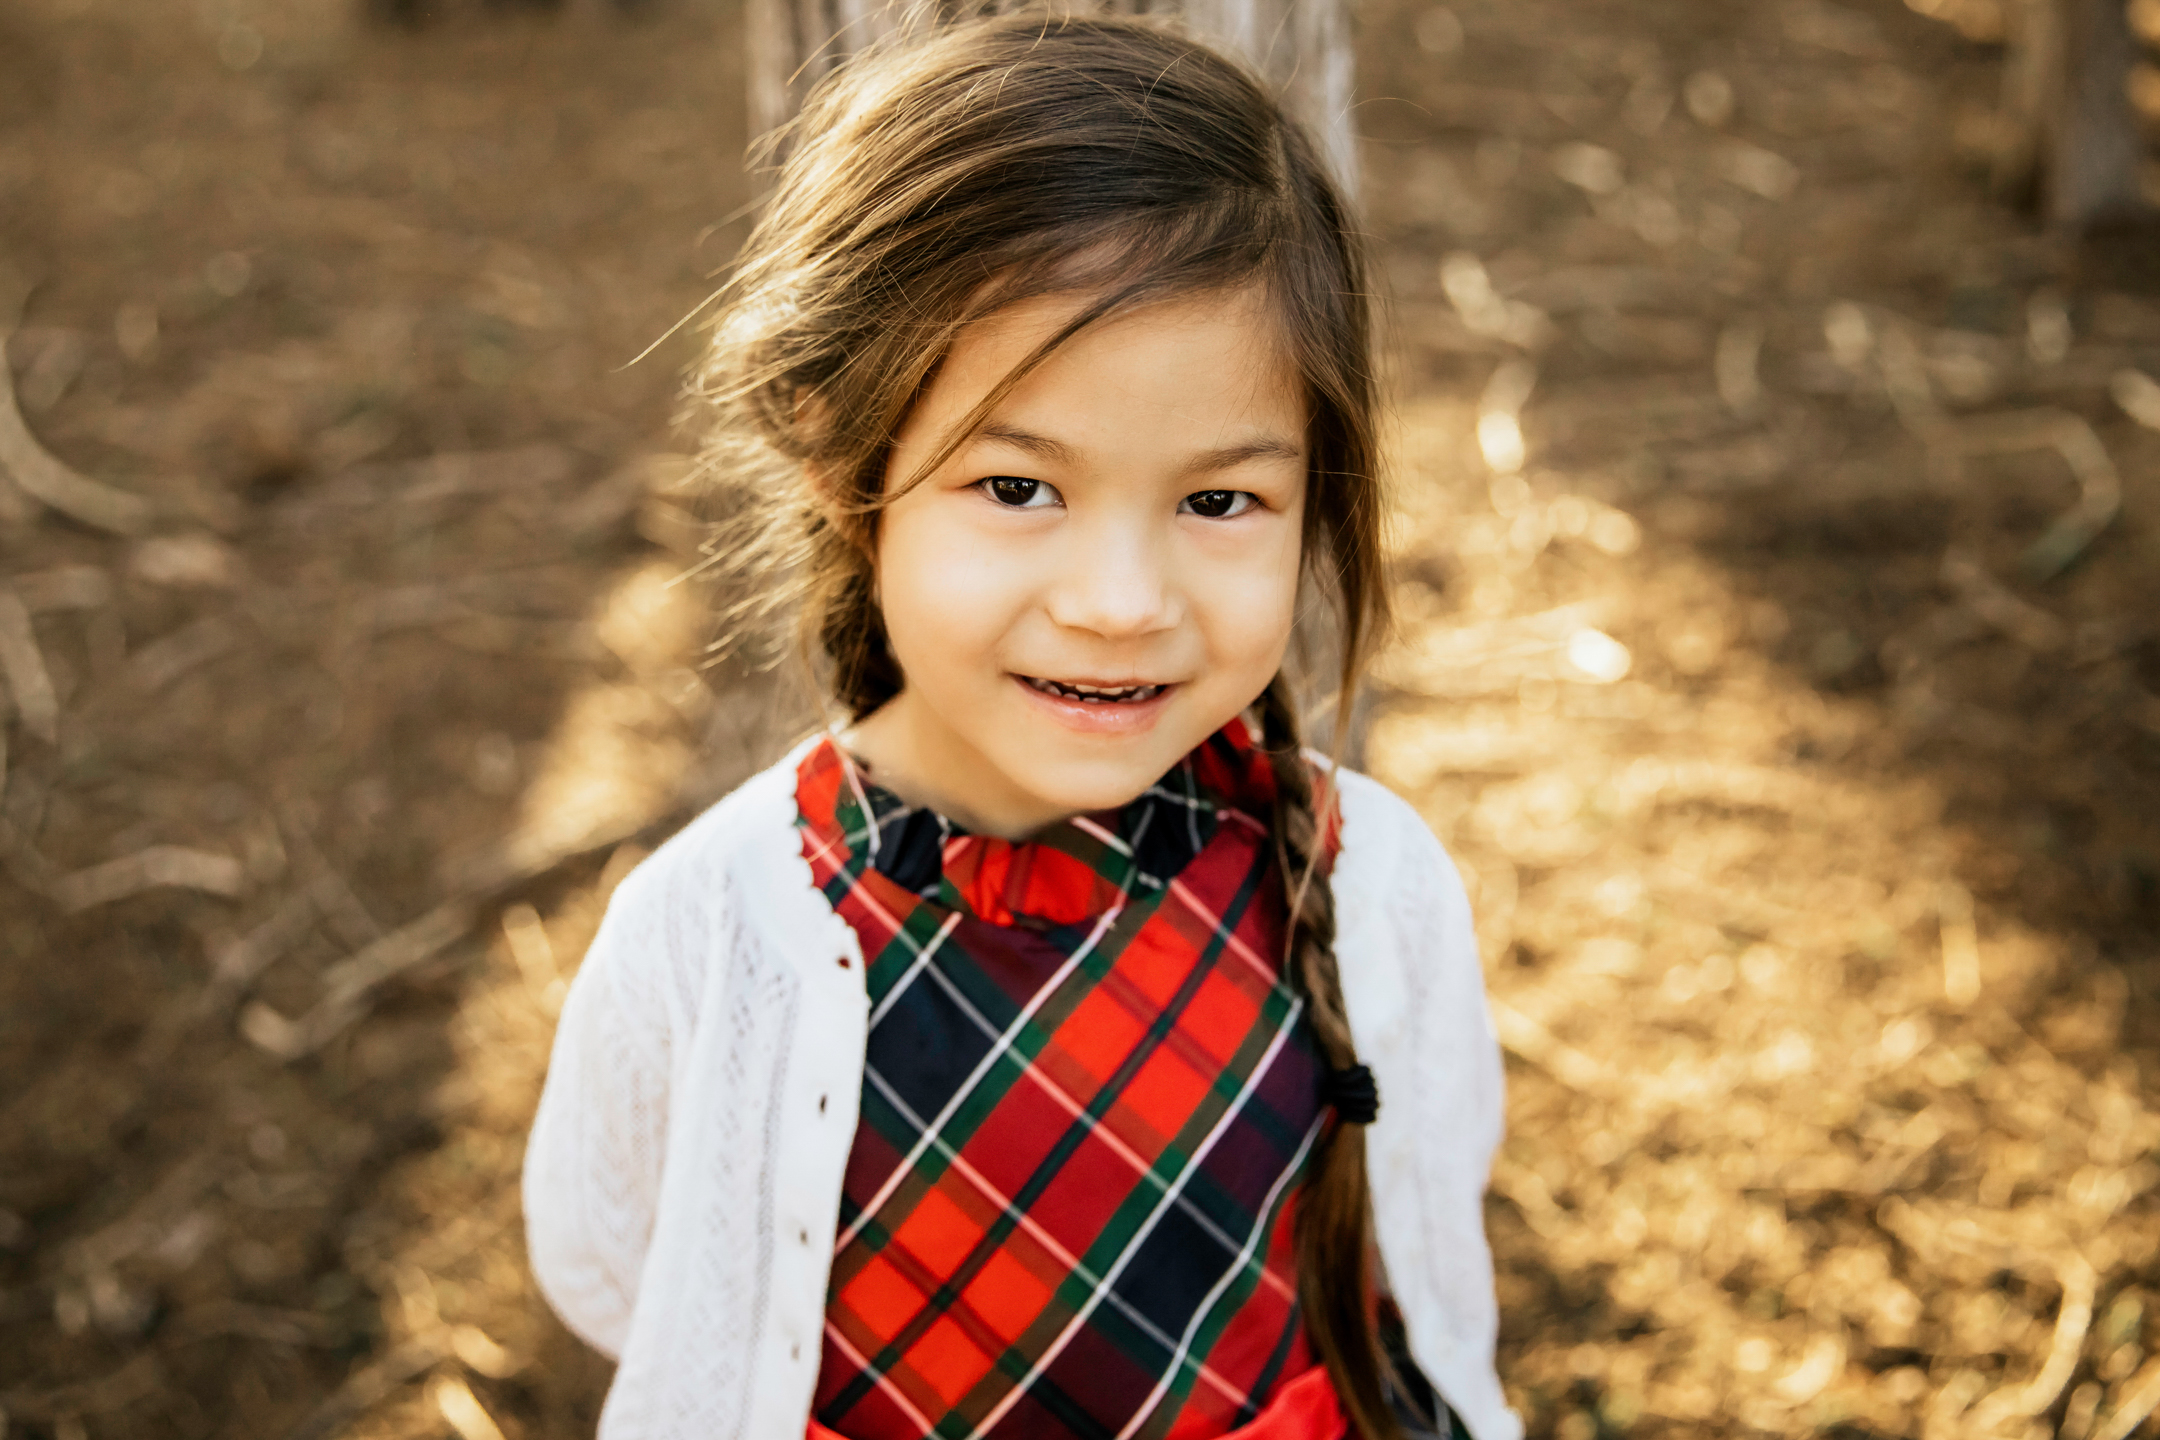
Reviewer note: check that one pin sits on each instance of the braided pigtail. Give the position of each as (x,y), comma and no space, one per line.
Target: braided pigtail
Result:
(1334,1215)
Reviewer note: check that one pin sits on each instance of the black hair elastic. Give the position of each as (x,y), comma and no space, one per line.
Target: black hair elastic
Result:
(1353,1093)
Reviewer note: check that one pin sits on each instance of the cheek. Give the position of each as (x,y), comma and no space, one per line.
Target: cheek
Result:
(941,595)
(1249,608)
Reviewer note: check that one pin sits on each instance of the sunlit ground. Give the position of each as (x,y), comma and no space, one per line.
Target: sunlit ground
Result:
(1781,1100)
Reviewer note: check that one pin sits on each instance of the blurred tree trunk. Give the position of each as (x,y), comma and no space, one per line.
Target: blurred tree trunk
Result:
(1301,47)
(2074,142)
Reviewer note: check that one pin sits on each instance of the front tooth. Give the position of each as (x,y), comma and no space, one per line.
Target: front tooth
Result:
(1096,694)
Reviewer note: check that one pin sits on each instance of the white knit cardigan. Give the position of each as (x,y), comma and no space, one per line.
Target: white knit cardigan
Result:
(682,1185)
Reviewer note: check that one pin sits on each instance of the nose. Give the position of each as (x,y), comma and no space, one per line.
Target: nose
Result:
(1114,580)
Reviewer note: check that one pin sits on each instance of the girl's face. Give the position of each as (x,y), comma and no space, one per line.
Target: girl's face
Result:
(1104,574)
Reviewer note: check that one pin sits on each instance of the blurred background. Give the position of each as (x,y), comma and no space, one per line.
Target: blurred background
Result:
(1779,558)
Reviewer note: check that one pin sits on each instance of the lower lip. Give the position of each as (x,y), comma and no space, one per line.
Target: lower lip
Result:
(1126,717)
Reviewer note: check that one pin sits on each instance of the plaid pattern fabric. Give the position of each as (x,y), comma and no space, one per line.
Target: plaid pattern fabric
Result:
(1087,1105)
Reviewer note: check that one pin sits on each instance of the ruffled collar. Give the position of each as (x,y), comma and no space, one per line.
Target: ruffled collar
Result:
(1070,873)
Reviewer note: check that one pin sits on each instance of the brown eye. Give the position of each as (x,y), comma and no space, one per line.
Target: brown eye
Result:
(1018,493)
(1218,504)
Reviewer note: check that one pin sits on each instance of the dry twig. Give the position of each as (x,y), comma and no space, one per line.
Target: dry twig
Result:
(1960,945)
(456,1403)
(2072,1320)
(1738,366)
(349,919)
(192,561)
(349,987)
(148,1218)
(366,1387)
(1528,1192)
(288,1328)
(1951,440)
(1534,1043)
(21,859)
(23,664)
(2139,1399)
(353,981)
(174,866)
(2071,533)
(2139,396)
(453,476)
(1988,598)
(41,476)
(138,1379)
(239,964)
(165,660)
(64,587)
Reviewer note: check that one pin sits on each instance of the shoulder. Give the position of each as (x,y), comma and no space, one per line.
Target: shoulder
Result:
(1408,953)
(1371,806)
(730,887)
(729,842)
(1398,896)
(1385,842)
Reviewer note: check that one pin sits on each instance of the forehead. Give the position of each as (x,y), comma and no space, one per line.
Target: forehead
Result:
(1197,364)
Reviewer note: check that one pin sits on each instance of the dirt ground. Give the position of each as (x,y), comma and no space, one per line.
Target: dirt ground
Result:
(1780,567)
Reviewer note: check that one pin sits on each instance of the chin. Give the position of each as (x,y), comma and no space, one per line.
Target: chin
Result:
(1081,786)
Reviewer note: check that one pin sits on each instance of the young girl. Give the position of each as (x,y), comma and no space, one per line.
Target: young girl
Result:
(1055,1049)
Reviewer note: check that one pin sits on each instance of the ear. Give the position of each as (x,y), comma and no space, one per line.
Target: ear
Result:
(810,422)
(825,487)
(828,489)
(834,500)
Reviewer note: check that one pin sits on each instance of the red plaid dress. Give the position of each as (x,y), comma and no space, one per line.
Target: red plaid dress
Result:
(1088,1101)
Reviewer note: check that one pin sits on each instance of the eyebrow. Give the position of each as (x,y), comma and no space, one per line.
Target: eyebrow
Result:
(1265,447)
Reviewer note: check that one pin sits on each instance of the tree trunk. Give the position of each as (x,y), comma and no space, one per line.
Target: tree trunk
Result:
(2073,139)
(1301,47)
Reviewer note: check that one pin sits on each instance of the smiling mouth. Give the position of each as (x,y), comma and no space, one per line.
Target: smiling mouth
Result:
(1095,694)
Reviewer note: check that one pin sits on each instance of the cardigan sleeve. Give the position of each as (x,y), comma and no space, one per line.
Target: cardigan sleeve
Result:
(1416,993)
(593,1162)
(1454,1022)
(1459,1100)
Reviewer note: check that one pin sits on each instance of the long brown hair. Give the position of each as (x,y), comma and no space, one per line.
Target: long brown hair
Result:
(946,174)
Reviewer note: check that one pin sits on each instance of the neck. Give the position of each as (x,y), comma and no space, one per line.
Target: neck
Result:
(918,760)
